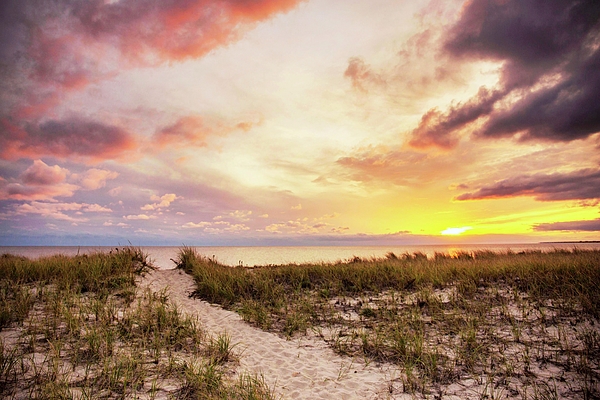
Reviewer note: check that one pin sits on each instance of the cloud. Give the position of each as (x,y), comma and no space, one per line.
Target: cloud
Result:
(64,138)
(41,174)
(224,226)
(114,192)
(566,111)
(194,130)
(18,191)
(217,227)
(186,131)
(379,163)
(48,48)
(161,202)
(417,71)
(549,80)
(241,215)
(362,75)
(581,226)
(43,182)
(298,207)
(141,217)
(439,129)
(404,167)
(577,185)
(173,30)
(58,210)
(94,178)
(38,182)
(191,225)
(96,208)
(305,226)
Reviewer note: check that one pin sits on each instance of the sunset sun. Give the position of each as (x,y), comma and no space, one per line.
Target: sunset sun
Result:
(455,231)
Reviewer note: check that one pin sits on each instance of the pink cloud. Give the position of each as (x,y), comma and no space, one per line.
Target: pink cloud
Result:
(161,202)
(176,30)
(362,75)
(224,226)
(48,49)
(139,217)
(192,225)
(194,130)
(418,70)
(302,226)
(41,174)
(38,182)
(18,191)
(64,45)
(186,131)
(95,178)
(242,215)
(58,210)
(43,182)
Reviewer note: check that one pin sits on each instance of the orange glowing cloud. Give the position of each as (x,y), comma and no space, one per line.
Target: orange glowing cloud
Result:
(150,32)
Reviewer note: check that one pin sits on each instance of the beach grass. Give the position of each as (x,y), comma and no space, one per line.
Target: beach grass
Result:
(512,321)
(78,328)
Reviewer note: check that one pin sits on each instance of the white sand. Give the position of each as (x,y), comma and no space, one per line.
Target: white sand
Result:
(295,369)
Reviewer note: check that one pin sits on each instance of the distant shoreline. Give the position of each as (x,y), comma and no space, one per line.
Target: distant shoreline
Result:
(573,241)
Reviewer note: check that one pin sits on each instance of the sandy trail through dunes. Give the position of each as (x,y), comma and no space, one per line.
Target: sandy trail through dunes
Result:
(297,369)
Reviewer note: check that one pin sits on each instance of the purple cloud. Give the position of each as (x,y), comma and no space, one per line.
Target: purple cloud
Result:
(39,173)
(534,40)
(583,226)
(63,138)
(437,128)
(577,185)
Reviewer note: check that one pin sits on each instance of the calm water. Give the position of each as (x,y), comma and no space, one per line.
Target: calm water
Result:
(282,255)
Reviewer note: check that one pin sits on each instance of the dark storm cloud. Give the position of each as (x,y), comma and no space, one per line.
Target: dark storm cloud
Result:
(567,111)
(551,58)
(583,226)
(577,185)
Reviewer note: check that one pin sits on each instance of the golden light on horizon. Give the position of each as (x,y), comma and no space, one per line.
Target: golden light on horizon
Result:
(455,231)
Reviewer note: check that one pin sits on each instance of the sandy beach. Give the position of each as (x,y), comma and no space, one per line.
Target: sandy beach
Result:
(153,337)
(296,369)
(303,367)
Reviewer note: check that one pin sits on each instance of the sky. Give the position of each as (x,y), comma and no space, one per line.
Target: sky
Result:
(287,122)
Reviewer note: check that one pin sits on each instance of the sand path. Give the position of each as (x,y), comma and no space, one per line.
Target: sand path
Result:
(304,368)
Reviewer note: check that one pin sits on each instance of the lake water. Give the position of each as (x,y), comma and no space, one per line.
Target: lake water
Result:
(250,256)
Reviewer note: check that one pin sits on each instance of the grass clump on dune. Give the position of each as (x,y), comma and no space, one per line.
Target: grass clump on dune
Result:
(505,316)
(76,327)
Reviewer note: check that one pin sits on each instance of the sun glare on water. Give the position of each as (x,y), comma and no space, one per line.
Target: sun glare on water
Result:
(456,231)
